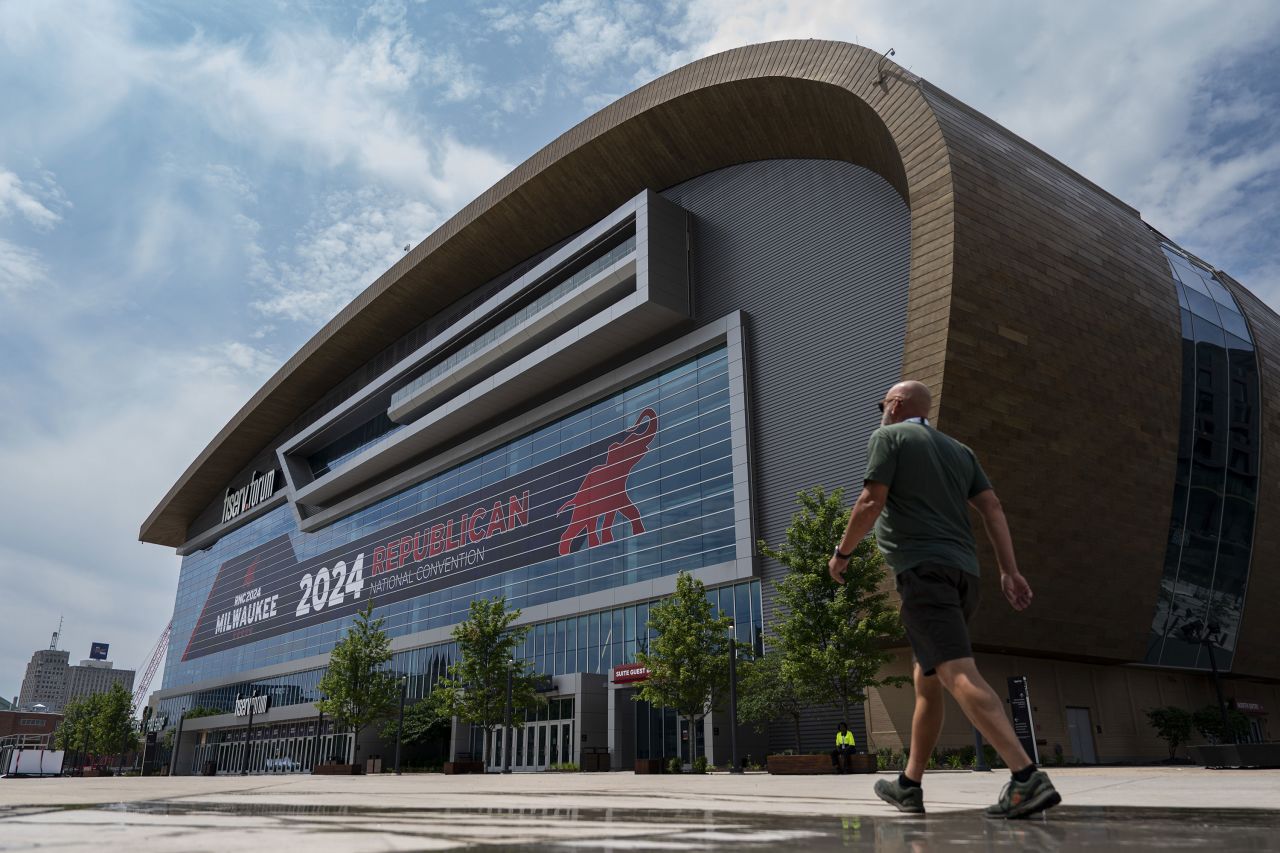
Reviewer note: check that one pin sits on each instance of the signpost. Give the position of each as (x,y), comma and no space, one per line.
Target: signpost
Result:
(1023,724)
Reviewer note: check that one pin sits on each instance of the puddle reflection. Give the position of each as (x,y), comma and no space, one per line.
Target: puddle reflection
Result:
(526,829)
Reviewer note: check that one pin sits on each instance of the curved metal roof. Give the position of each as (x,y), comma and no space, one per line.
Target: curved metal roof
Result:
(810,99)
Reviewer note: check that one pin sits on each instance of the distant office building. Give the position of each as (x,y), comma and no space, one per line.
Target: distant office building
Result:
(52,682)
(5,704)
(46,680)
(96,676)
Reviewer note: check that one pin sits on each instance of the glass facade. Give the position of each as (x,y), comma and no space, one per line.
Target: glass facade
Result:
(335,455)
(682,489)
(1206,565)
(591,642)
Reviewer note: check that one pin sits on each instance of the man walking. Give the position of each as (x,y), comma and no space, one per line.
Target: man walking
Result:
(916,491)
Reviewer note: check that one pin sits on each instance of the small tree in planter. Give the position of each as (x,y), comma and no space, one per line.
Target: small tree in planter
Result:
(357,686)
(1172,725)
(1208,721)
(425,721)
(767,691)
(688,660)
(832,636)
(476,689)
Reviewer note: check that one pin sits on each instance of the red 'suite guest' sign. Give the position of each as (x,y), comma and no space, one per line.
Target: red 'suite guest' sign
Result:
(628,673)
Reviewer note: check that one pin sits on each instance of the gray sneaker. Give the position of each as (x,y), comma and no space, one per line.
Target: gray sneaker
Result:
(1022,799)
(909,800)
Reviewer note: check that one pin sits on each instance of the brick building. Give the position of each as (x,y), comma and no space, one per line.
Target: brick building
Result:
(27,723)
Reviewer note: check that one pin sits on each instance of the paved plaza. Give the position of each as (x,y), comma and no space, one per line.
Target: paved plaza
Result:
(1104,808)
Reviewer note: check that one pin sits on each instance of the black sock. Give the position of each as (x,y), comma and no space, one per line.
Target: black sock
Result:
(907,782)
(1024,774)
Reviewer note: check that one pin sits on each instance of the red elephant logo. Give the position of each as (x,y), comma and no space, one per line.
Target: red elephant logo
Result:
(603,492)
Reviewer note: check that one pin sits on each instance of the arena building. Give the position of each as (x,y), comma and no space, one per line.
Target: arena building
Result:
(625,358)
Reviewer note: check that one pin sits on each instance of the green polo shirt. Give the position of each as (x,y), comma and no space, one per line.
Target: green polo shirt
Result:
(931,478)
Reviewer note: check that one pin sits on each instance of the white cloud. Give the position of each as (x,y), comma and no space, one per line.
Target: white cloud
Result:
(20,268)
(589,35)
(353,241)
(230,180)
(36,203)
(301,93)
(313,97)
(87,63)
(79,483)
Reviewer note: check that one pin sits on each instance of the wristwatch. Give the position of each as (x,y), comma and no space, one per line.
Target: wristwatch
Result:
(840,556)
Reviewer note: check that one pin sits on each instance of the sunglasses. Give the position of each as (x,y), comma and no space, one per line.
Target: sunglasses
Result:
(880,405)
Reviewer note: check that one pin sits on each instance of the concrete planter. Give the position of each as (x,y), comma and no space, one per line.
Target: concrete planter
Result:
(1237,754)
(337,770)
(455,767)
(817,765)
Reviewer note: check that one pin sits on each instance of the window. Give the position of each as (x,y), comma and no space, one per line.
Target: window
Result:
(1211,525)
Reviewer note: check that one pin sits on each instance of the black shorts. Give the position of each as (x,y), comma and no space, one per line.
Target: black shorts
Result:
(937,604)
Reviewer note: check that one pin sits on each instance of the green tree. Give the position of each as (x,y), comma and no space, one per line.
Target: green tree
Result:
(357,686)
(201,711)
(1208,721)
(688,660)
(766,692)
(1172,725)
(424,720)
(192,714)
(113,729)
(476,688)
(832,637)
(75,732)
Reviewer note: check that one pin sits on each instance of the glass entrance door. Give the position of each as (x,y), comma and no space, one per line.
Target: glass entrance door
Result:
(548,738)
(538,746)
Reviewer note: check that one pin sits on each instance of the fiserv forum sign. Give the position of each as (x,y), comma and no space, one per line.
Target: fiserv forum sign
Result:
(567,503)
(258,489)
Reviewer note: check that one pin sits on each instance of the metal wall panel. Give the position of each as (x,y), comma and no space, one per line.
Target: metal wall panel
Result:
(814,251)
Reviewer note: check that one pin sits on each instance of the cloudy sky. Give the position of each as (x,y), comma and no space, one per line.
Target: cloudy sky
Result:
(185,197)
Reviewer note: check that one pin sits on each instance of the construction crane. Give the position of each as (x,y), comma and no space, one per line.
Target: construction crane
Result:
(152,666)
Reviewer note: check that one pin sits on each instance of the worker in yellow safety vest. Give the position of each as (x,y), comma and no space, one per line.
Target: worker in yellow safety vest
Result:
(845,744)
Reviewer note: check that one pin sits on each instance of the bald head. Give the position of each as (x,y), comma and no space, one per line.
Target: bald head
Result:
(907,399)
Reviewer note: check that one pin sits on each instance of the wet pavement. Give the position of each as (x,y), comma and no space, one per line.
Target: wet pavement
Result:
(277,828)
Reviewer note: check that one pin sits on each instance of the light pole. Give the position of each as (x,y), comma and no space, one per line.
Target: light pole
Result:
(315,759)
(404,686)
(506,732)
(248,733)
(146,724)
(177,744)
(734,766)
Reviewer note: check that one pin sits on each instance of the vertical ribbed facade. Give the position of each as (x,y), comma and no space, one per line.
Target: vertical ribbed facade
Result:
(817,254)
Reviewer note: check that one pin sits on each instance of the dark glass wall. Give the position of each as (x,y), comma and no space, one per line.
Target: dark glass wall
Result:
(1206,565)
